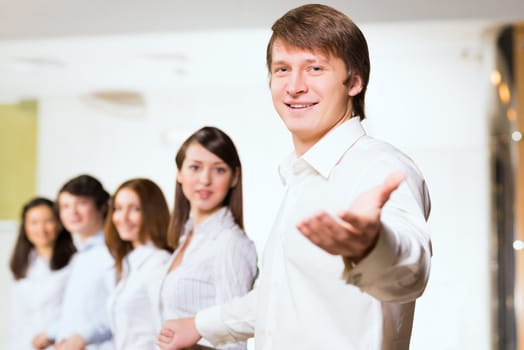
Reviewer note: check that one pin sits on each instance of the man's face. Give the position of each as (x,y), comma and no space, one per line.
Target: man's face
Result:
(308,92)
(79,214)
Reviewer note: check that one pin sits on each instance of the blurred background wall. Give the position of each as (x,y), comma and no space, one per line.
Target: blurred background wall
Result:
(117,106)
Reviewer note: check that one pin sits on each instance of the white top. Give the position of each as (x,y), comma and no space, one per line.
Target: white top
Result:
(130,305)
(301,301)
(219,264)
(35,301)
(84,306)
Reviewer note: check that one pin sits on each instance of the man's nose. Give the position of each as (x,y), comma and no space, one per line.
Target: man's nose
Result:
(296,84)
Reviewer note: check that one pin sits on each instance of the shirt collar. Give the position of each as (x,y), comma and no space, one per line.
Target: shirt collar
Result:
(221,218)
(327,152)
(94,240)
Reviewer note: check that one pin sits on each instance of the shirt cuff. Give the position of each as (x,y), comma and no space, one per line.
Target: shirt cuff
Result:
(382,256)
(206,322)
(52,331)
(95,334)
(86,334)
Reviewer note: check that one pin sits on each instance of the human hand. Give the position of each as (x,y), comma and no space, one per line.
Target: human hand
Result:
(354,232)
(74,342)
(178,334)
(41,341)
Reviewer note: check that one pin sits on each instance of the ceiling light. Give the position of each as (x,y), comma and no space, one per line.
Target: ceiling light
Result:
(127,103)
(504,93)
(26,64)
(511,115)
(495,77)
(516,136)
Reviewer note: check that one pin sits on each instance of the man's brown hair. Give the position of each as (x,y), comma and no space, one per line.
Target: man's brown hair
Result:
(320,27)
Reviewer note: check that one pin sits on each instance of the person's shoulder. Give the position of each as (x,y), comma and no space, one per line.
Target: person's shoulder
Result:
(96,257)
(379,151)
(233,236)
(158,257)
(63,272)
(370,144)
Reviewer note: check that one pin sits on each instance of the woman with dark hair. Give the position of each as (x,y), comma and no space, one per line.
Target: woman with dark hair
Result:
(214,261)
(40,267)
(136,235)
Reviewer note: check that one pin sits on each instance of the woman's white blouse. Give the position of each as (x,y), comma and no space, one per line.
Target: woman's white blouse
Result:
(130,306)
(219,264)
(36,301)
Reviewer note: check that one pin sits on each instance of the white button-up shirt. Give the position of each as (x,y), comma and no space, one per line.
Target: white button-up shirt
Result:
(218,265)
(130,305)
(84,305)
(301,301)
(35,302)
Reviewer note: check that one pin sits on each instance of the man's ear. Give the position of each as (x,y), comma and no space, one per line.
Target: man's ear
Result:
(356,86)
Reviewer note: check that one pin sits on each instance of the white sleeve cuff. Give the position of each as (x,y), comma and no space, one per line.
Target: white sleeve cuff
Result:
(383,255)
(206,322)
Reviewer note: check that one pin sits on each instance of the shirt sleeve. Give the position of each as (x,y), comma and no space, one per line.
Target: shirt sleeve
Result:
(96,329)
(230,322)
(95,333)
(397,269)
(235,271)
(15,335)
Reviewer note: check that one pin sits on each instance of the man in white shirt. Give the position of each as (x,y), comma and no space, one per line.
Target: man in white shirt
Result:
(83,324)
(350,250)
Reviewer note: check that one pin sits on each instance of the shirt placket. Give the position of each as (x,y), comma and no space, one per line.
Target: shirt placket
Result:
(278,267)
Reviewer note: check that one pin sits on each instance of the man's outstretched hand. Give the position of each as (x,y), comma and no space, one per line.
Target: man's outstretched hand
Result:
(354,232)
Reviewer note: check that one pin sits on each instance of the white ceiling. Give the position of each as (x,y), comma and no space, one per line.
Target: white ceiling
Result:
(51,18)
(71,47)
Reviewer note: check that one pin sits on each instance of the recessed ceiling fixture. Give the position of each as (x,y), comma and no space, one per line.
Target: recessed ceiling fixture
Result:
(178,62)
(34,63)
(127,103)
(166,57)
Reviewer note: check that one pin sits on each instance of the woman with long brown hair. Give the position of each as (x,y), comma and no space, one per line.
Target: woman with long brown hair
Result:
(135,234)
(214,261)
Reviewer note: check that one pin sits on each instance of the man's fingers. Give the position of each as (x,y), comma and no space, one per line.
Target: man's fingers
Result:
(319,226)
(350,218)
(167,332)
(391,183)
(327,232)
(165,336)
(163,342)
